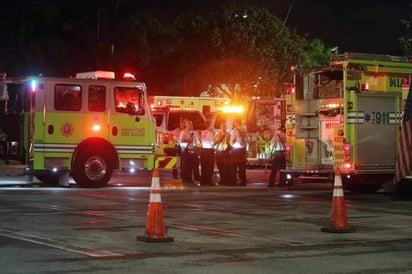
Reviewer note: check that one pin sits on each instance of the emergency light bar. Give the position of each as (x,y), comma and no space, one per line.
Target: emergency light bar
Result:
(98,74)
(232,109)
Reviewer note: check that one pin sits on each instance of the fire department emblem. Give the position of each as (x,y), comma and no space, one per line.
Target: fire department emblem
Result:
(67,129)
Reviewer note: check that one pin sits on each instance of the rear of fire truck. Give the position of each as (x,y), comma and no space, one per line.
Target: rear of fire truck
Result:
(84,127)
(346,116)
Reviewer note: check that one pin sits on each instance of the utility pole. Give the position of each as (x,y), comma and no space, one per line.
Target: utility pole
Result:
(287,15)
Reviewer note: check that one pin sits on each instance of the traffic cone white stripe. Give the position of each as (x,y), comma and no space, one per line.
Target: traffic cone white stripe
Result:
(338,192)
(155,198)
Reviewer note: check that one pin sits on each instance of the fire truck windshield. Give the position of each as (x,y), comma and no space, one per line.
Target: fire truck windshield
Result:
(127,99)
(328,84)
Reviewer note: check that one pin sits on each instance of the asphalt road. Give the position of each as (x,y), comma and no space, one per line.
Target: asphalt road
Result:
(215,229)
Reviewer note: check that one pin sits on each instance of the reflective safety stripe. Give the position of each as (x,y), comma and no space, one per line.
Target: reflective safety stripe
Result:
(355,117)
(134,149)
(155,182)
(71,147)
(54,147)
(337,192)
(395,118)
(166,162)
(155,198)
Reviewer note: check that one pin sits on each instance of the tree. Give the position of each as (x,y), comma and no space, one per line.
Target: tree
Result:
(406,39)
(239,52)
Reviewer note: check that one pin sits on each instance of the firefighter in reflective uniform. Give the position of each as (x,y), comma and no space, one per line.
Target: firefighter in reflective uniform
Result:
(175,137)
(207,155)
(190,145)
(222,154)
(264,142)
(278,148)
(238,159)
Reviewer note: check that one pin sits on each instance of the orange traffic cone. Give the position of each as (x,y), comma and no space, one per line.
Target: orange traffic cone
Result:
(155,227)
(338,222)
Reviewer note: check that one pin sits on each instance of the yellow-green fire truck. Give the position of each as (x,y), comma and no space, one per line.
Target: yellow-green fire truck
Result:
(347,115)
(85,126)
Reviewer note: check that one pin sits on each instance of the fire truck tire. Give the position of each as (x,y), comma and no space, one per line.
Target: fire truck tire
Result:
(92,169)
(365,183)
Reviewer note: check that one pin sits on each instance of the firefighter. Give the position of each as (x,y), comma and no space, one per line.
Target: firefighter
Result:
(175,135)
(223,153)
(238,158)
(278,148)
(207,154)
(264,142)
(190,145)
(3,146)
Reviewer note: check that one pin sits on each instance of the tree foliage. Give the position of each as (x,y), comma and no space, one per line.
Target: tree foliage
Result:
(239,52)
(406,40)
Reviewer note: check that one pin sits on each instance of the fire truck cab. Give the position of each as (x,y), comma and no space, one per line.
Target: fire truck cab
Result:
(347,116)
(85,126)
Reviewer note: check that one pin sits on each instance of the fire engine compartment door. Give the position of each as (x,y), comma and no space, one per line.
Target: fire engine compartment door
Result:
(327,125)
(375,135)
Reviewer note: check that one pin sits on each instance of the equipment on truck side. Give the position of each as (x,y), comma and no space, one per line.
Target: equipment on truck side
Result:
(347,115)
(86,126)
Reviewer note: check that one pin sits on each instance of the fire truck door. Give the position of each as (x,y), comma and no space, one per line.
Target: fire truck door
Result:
(375,134)
(130,123)
(63,116)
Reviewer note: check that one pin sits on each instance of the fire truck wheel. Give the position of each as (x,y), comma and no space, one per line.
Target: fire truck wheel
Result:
(92,169)
(364,183)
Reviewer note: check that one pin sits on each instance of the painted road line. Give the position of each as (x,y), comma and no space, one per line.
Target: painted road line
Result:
(207,229)
(94,253)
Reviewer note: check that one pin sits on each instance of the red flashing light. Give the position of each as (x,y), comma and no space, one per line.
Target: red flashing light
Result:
(365,87)
(346,148)
(115,131)
(347,165)
(129,76)
(288,151)
(405,81)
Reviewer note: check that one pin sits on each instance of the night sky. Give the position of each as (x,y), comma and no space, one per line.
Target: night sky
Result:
(371,26)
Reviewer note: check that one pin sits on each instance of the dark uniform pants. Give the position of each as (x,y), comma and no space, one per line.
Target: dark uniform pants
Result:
(207,163)
(222,162)
(238,165)
(278,163)
(190,166)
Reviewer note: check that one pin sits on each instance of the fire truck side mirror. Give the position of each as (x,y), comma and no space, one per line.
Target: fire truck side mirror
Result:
(140,111)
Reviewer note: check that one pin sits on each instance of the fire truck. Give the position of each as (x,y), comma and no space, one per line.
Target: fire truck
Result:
(84,127)
(347,116)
